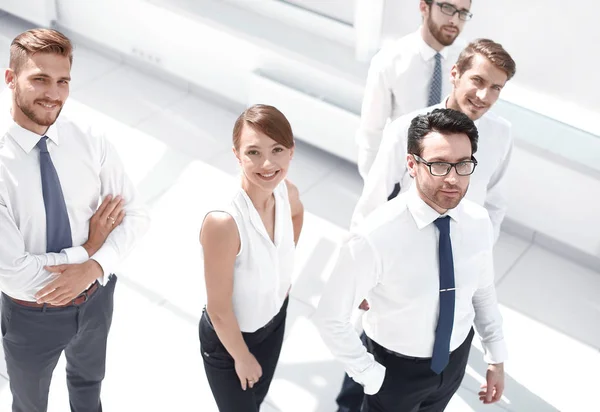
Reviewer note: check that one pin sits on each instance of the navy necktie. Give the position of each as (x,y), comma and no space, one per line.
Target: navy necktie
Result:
(58,228)
(443,331)
(435,87)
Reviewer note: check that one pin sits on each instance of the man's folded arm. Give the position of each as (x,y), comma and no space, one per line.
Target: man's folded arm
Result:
(24,271)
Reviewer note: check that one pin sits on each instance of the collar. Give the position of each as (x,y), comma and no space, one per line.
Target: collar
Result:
(426,52)
(26,138)
(422,213)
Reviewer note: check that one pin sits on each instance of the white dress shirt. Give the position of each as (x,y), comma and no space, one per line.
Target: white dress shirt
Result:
(89,169)
(393,258)
(398,83)
(263,269)
(488,182)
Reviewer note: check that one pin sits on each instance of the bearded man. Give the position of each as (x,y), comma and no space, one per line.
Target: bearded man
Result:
(410,73)
(68,216)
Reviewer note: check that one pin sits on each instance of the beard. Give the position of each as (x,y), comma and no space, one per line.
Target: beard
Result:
(438,33)
(441,200)
(28,110)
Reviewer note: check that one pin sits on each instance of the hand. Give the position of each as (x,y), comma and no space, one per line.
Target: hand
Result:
(364,305)
(494,387)
(70,282)
(248,370)
(109,215)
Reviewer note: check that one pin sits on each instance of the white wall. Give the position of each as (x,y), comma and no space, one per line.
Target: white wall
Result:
(40,12)
(554,42)
(219,60)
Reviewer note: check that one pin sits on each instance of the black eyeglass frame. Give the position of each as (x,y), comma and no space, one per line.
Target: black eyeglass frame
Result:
(463,15)
(450,165)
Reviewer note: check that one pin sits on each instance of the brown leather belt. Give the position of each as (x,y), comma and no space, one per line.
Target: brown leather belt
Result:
(75,302)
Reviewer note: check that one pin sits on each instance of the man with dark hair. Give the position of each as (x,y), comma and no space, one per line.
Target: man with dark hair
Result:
(480,73)
(425,261)
(59,248)
(409,74)
(478,77)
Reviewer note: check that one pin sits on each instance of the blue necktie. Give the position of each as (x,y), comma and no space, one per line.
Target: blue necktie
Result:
(435,88)
(443,331)
(58,228)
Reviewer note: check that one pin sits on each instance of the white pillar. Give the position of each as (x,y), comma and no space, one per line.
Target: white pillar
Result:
(368,21)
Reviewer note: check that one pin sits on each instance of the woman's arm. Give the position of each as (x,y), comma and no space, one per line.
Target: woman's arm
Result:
(297,209)
(220,241)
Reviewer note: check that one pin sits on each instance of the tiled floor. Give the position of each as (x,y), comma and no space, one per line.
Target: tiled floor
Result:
(177,151)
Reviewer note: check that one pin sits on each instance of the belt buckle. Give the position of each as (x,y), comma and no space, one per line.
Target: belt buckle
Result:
(85,298)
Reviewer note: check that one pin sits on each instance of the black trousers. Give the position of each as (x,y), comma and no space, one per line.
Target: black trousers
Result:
(411,386)
(34,339)
(265,344)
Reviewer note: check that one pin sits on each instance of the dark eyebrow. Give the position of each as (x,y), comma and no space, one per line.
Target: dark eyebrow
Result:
(450,4)
(435,159)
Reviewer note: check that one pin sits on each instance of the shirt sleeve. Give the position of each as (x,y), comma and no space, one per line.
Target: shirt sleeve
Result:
(354,274)
(375,112)
(496,201)
(488,320)
(22,274)
(388,169)
(120,242)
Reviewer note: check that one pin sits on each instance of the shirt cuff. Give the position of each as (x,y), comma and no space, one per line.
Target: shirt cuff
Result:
(371,378)
(495,352)
(76,255)
(106,258)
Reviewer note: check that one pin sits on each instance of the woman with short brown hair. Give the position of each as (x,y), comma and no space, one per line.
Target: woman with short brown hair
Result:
(248,249)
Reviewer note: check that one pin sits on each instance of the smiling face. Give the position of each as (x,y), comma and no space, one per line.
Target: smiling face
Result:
(441,192)
(264,161)
(40,88)
(477,89)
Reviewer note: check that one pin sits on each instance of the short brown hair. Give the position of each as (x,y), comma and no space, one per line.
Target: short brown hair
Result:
(492,51)
(267,120)
(35,41)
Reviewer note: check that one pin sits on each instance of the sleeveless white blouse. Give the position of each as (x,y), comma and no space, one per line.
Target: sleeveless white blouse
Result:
(263,269)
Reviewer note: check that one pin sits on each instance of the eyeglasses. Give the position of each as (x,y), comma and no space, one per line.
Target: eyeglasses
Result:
(464,168)
(449,10)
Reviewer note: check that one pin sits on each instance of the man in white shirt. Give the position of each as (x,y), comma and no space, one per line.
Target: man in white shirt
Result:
(425,261)
(410,73)
(480,73)
(59,249)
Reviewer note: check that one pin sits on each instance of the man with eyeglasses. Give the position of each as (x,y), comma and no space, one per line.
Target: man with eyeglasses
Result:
(425,261)
(410,73)
(480,73)
(478,77)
